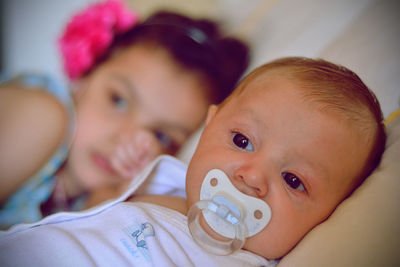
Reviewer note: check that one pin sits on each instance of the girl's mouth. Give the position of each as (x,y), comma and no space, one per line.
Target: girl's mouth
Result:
(103,163)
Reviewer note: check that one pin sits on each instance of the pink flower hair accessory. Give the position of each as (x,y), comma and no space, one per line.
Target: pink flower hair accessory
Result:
(90,32)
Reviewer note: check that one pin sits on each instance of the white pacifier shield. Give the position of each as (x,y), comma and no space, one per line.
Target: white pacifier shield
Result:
(232,205)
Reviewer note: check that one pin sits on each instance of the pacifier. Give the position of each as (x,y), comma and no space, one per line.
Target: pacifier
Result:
(228,215)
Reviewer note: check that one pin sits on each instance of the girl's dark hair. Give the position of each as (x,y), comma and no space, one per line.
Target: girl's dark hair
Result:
(196,44)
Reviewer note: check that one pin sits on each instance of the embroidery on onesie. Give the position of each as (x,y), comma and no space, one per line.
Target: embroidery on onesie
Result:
(138,233)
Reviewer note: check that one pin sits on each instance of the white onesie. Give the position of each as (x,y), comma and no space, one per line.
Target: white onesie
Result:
(119,233)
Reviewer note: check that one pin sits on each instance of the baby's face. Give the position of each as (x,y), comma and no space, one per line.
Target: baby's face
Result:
(275,145)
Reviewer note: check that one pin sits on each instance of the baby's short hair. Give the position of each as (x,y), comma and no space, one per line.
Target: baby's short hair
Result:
(335,89)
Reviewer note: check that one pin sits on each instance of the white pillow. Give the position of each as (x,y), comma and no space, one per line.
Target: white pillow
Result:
(364,230)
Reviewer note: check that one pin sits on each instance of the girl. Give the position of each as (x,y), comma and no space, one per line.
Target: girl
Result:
(137,90)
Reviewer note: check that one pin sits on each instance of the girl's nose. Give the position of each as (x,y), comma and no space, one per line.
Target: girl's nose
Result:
(128,130)
(140,138)
(252,180)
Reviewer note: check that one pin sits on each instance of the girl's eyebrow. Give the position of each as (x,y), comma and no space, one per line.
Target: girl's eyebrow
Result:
(125,82)
(132,90)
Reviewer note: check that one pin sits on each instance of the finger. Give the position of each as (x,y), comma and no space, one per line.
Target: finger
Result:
(120,163)
(147,147)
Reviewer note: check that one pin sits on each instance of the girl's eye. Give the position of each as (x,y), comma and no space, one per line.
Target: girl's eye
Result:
(242,141)
(293,181)
(166,141)
(118,101)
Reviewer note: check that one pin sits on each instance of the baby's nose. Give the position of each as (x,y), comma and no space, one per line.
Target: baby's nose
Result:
(252,181)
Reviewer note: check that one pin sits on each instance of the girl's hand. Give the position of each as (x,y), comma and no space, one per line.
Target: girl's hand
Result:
(133,154)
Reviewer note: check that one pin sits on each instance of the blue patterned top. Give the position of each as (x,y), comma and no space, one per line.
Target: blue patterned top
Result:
(24,205)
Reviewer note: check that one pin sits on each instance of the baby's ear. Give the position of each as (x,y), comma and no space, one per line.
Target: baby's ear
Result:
(212,110)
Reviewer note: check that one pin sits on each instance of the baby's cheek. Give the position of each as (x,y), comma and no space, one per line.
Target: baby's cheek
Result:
(271,243)
(259,245)
(192,192)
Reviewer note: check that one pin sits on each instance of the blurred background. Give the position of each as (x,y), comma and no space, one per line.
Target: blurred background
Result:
(363,35)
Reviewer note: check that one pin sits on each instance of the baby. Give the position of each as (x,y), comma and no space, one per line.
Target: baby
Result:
(296,137)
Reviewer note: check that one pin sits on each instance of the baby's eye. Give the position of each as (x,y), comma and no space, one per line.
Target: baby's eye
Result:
(293,181)
(118,101)
(242,141)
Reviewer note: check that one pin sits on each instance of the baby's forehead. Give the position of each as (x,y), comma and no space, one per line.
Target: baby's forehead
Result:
(327,101)
(325,96)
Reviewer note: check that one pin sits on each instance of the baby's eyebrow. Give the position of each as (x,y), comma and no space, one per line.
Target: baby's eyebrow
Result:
(314,172)
(251,114)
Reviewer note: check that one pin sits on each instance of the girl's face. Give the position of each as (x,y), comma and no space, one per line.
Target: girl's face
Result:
(139,100)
